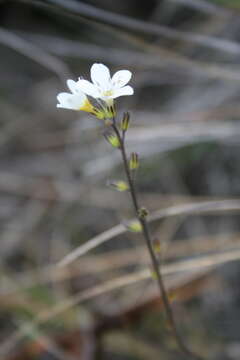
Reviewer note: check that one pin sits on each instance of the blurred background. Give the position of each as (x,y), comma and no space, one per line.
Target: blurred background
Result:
(55,164)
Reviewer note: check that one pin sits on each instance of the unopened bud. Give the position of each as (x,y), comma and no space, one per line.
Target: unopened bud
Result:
(142,212)
(154,274)
(119,185)
(172,296)
(125,122)
(134,161)
(110,111)
(157,245)
(100,114)
(134,226)
(112,140)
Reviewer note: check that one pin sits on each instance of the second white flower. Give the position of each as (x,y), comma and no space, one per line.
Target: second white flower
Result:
(103,86)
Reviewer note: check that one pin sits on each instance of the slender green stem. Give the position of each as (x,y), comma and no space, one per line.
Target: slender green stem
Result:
(154,260)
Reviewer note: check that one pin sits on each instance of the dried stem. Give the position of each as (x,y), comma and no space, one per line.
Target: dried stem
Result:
(154,260)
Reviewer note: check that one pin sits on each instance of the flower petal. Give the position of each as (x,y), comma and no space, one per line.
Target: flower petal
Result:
(126,90)
(70,101)
(88,88)
(100,76)
(121,78)
(63,99)
(73,86)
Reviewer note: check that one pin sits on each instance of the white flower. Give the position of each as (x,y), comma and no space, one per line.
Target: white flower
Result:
(103,86)
(76,100)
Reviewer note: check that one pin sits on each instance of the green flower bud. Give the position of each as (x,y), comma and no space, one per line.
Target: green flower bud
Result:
(157,245)
(134,161)
(125,122)
(134,226)
(112,140)
(153,274)
(110,112)
(119,185)
(142,212)
(99,113)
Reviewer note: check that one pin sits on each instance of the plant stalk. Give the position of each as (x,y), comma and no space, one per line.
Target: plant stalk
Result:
(154,260)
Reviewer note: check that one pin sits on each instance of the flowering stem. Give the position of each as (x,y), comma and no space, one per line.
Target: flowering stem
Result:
(147,237)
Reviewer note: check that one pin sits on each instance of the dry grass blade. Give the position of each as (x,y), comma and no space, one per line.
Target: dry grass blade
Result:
(196,267)
(35,53)
(166,57)
(204,6)
(186,209)
(116,260)
(147,28)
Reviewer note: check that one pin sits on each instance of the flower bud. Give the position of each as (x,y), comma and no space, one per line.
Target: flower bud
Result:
(153,274)
(157,245)
(110,111)
(134,226)
(112,140)
(134,161)
(125,122)
(142,212)
(99,113)
(119,185)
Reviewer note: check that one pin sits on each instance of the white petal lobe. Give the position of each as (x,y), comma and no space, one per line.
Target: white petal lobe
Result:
(100,76)
(121,78)
(70,101)
(126,90)
(72,85)
(88,88)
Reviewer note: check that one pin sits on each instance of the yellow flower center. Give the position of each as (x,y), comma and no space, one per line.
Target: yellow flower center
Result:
(107,93)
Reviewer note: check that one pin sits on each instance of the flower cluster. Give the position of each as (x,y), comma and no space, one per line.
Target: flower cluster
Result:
(104,89)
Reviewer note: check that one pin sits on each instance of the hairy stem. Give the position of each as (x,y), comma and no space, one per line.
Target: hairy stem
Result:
(154,260)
